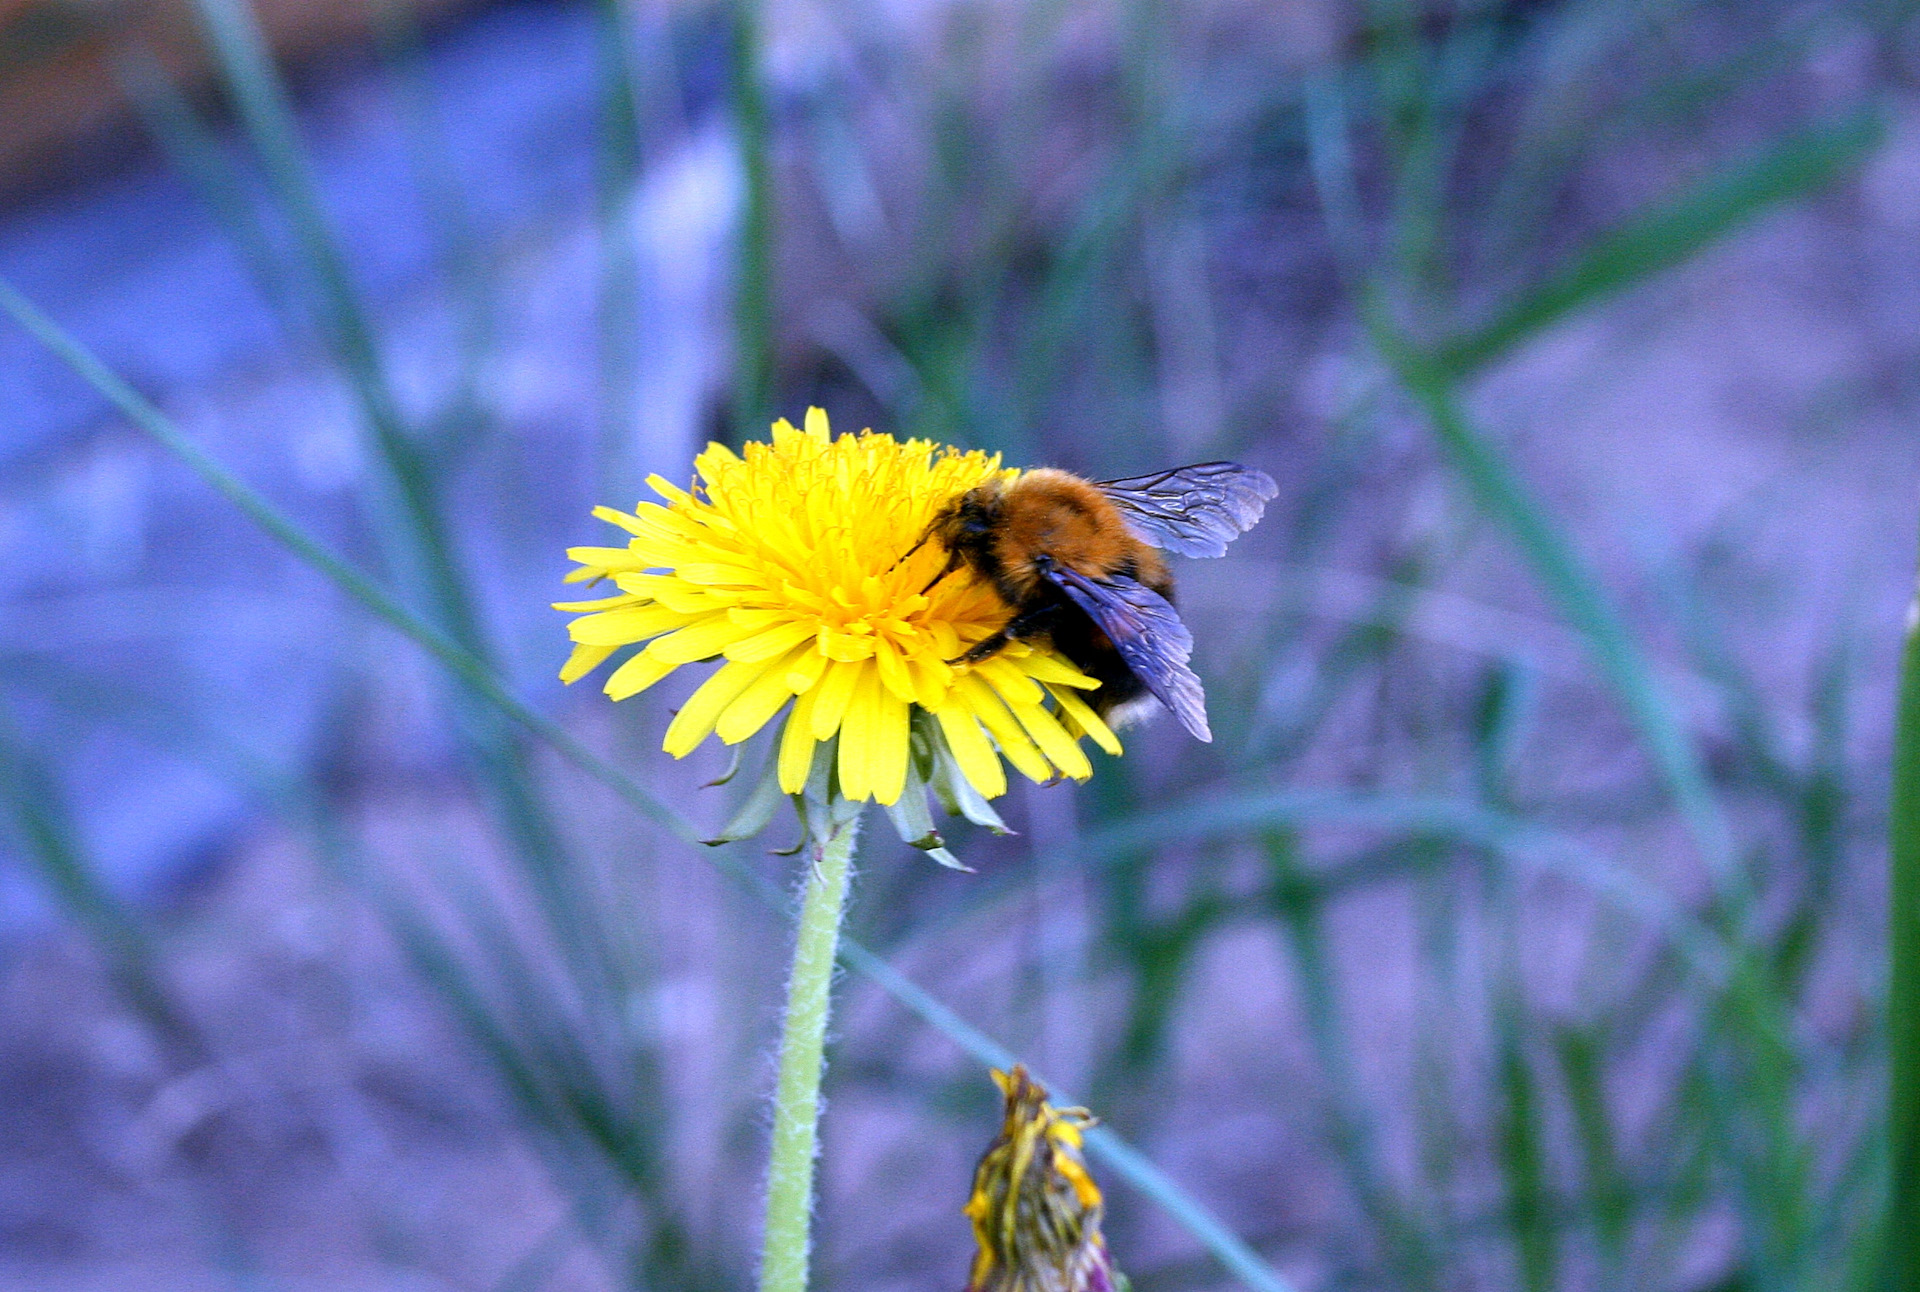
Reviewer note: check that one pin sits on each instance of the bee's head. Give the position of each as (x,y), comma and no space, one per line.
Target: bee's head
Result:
(966,525)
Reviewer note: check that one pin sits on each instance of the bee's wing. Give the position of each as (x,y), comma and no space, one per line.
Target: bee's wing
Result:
(1149,636)
(1196,510)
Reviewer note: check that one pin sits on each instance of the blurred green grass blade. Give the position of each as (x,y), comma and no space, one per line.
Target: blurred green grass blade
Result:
(1354,1130)
(462,417)
(616,170)
(356,585)
(1330,160)
(1522,1151)
(408,525)
(753,321)
(1903,982)
(1577,595)
(195,151)
(51,846)
(261,101)
(1446,818)
(1232,1251)
(1660,239)
(1581,1061)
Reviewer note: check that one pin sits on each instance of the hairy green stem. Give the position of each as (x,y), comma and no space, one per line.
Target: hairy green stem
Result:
(796,1093)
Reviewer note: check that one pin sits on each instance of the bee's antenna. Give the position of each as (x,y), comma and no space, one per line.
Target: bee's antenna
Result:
(953,560)
(918,543)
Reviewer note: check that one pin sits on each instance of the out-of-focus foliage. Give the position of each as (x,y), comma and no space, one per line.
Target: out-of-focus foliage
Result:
(1520,928)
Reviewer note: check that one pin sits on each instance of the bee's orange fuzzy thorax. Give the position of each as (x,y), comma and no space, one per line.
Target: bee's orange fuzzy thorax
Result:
(1067,518)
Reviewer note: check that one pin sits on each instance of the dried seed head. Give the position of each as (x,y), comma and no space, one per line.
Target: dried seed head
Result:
(1035,1210)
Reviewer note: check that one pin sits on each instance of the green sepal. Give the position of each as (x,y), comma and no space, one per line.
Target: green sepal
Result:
(756,811)
(822,808)
(912,820)
(955,792)
(948,860)
(733,767)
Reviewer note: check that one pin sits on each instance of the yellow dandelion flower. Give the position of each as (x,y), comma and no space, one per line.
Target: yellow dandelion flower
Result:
(784,562)
(1035,1209)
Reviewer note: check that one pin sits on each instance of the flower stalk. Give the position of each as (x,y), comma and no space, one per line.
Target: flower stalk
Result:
(796,1097)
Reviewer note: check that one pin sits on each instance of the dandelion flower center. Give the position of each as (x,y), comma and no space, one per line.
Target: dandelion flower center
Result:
(794,563)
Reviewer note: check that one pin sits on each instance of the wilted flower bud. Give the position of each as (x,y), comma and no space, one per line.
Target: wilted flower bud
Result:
(1035,1210)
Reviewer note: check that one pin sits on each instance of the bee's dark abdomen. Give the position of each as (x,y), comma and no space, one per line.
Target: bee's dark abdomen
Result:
(1081,641)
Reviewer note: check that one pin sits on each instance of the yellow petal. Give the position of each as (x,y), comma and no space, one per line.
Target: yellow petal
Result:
(694,722)
(971,750)
(768,642)
(805,671)
(893,669)
(1015,686)
(887,735)
(1053,740)
(756,705)
(702,639)
(835,689)
(675,593)
(583,661)
(856,736)
(1007,733)
(1052,668)
(623,626)
(1090,722)
(817,423)
(797,744)
(594,607)
(605,558)
(631,524)
(720,574)
(932,678)
(849,648)
(636,675)
(671,492)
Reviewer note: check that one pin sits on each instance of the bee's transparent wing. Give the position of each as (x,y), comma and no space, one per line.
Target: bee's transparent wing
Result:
(1196,510)
(1148,633)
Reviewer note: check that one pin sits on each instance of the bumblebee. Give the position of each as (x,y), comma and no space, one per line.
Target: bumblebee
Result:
(1077,562)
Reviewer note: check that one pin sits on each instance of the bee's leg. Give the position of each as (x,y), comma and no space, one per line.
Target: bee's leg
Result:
(1022,625)
(985,648)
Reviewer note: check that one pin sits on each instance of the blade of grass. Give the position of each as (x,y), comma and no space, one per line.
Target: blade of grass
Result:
(408,522)
(1670,234)
(195,151)
(753,288)
(462,418)
(1578,596)
(405,512)
(1580,1060)
(1406,1238)
(616,168)
(1232,1252)
(1331,163)
(53,849)
(1903,977)
(1445,818)
(1522,1149)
